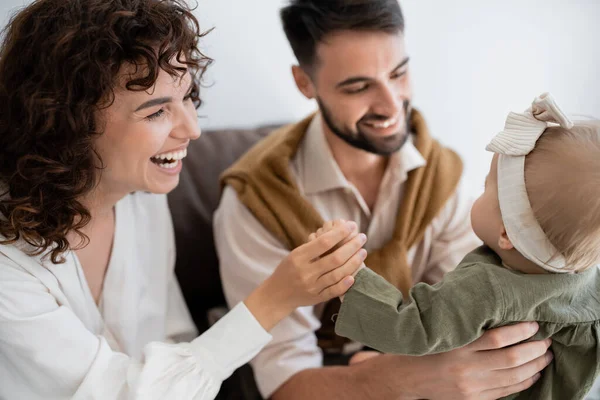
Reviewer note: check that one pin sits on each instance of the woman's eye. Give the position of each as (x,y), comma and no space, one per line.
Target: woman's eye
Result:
(156,115)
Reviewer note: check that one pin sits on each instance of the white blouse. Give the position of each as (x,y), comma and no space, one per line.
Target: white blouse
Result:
(55,343)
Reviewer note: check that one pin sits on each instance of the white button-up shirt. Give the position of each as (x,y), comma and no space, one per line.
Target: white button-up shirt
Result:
(55,343)
(248,253)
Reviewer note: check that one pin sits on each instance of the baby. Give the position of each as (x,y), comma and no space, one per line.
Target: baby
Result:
(539,218)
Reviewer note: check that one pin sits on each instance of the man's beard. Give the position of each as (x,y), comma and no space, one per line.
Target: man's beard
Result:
(383,146)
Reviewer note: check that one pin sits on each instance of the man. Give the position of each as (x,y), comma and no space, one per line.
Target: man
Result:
(365,156)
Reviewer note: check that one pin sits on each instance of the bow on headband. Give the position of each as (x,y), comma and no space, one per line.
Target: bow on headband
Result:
(520,134)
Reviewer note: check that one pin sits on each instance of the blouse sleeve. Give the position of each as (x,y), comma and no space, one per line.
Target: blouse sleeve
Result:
(47,353)
(179,324)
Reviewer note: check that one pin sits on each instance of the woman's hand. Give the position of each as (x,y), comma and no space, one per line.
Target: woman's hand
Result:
(328,226)
(313,273)
(322,268)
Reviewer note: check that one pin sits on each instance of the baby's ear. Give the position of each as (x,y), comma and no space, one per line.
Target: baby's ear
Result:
(503,241)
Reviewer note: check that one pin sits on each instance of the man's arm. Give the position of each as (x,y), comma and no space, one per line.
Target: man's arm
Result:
(361,381)
(487,369)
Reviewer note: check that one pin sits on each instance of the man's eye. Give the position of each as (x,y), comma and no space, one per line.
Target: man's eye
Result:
(357,89)
(398,75)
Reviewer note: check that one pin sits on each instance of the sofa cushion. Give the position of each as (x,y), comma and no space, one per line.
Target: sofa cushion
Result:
(192,206)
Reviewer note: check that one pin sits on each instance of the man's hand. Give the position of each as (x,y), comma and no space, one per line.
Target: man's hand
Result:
(493,366)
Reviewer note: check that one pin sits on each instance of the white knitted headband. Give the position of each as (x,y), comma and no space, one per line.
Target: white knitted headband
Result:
(518,139)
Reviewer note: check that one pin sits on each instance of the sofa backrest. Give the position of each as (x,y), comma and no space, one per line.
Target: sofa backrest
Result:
(192,206)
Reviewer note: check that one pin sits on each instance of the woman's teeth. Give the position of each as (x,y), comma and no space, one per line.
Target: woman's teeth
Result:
(174,155)
(169,160)
(169,165)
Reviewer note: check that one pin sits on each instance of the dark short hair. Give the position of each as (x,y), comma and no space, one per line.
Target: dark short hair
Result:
(307,22)
(59,66)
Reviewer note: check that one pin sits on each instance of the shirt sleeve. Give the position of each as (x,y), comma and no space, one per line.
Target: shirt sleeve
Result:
(248,254)
(47,353)
(434,319)
(453,235)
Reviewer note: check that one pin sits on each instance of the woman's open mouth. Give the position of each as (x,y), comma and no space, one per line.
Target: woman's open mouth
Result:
(169,160)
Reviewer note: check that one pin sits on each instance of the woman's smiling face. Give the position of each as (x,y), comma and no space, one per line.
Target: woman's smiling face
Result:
(145,135)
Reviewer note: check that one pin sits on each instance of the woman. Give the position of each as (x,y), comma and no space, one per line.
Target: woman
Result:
(97,106)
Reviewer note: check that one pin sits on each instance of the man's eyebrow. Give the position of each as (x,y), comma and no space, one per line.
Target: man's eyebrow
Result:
(356,79)
(160,100)
(402,64)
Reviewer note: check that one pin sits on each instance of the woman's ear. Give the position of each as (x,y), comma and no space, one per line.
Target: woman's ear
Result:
(503,241)
(303,82)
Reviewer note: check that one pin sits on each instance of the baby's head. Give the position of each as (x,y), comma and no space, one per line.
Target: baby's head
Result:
(562,177)
(562,184)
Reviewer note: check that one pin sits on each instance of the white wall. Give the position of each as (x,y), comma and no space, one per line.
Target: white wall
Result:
(472,61)
(7,7)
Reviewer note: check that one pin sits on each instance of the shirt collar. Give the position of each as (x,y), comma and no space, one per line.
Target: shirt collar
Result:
(322,173)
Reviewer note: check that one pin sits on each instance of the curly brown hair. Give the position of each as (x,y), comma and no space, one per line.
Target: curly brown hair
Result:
(59,67)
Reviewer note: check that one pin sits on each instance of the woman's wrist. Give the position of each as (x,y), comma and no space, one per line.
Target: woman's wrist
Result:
(269,304)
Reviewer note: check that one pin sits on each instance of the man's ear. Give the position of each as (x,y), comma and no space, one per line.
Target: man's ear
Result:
(303,82)
(503,241)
